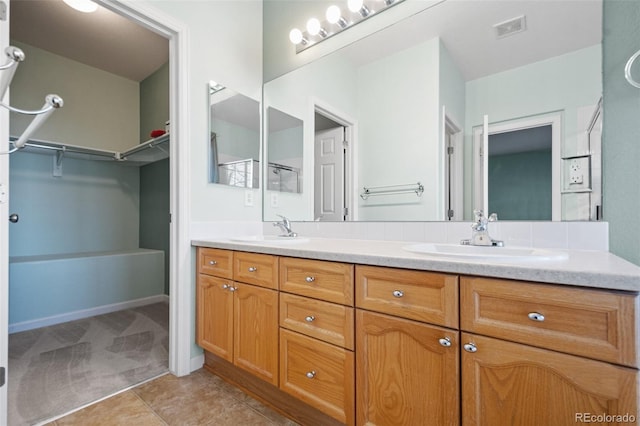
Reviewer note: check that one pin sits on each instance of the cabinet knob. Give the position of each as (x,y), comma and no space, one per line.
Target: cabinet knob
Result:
(470,347)
(232,289)
(311,374)
(310,318)
(310,279)
(536,316)
(445,341)
(398,293)
(225,286)
(252,269)
(212,262)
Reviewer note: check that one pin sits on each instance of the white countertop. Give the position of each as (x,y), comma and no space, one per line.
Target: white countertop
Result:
(587,268)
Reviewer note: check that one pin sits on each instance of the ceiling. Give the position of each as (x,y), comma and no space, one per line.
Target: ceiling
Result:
(102,39)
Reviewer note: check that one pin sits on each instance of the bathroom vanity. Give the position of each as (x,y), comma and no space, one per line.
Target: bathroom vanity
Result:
(366,332)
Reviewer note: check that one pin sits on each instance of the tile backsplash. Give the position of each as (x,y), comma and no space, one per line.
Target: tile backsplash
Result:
(565,235)
(562,235)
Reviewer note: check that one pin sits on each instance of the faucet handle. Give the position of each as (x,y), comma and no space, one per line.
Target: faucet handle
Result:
(493,217)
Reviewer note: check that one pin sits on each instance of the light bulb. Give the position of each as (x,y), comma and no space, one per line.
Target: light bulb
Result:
(355,5)
(333,14)
(313,26)
(296,36)
(86,6)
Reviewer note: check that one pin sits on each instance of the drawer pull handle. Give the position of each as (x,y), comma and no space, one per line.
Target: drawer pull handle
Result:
(446,342)
(470,347)
(212,262)
(535,316)
(310,279)
(311,374)
(310,318)
(398,293)
(252,269)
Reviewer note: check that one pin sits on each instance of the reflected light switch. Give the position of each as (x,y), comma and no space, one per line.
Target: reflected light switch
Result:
(274,199)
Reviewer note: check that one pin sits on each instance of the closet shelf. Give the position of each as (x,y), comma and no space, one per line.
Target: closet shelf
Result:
(147,152)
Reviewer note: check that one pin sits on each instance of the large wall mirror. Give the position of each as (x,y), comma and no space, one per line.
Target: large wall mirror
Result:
(465,105)
(234,138)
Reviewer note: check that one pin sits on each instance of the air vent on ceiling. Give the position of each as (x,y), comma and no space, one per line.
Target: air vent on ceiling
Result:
(510,27)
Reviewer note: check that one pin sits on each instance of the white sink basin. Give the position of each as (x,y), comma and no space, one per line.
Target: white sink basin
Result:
(277,239)
(458,251)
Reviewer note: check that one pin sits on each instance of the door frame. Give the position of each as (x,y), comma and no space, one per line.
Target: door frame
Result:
(453,175)
(181,292)
(4,231)
(480,172)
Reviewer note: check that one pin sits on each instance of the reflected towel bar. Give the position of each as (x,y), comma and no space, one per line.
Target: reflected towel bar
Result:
(416,188)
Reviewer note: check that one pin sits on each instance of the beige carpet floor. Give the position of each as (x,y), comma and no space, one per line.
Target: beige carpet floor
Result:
(55,369)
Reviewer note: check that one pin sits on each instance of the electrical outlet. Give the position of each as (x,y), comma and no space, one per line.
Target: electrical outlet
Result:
(575,174)
(248,197)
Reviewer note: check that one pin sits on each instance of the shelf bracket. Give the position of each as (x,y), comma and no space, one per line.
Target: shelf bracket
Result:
(57,163)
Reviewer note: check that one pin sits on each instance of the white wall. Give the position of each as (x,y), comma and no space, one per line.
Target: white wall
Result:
(225,45)
(398,140)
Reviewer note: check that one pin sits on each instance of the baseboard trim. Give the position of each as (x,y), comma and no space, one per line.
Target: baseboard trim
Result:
(85,313)
(197,362)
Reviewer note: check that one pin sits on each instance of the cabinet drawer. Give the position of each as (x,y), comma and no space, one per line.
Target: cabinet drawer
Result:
(323,320)
(422,296)
(215,262)
(330,281)
(257,269)
(319,374)
(594,323)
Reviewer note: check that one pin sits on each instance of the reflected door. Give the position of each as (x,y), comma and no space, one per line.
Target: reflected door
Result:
(329,175)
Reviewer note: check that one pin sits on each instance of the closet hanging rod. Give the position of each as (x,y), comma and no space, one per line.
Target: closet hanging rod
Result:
(15,56)
(416,188)
(627,70)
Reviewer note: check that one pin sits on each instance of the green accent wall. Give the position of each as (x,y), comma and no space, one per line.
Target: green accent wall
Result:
(621,133)
(520,185)
(154,177)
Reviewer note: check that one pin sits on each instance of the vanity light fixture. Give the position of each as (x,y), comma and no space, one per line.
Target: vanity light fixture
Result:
(85,6)
(317,31)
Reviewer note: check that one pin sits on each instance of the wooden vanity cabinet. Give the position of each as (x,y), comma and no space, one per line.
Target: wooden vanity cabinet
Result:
(506,384)
(546,354)
(317,335)
(407,372)
(238,321)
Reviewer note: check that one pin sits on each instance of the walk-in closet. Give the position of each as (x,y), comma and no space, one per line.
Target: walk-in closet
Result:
(89,242)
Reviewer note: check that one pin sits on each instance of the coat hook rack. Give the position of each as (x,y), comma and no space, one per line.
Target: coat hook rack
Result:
(52,102)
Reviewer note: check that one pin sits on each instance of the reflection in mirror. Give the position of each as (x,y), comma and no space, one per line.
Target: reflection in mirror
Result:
(284,152)
(417,93)
(284,144)
(234,149)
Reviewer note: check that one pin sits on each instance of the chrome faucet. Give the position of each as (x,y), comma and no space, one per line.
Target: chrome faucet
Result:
(285,225)
(480,231)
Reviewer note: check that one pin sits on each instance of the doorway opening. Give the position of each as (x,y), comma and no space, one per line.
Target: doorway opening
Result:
(521,171)
(332,171)
(453,137)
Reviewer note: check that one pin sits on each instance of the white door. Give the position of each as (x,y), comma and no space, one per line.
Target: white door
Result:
(4,227)
(329,175)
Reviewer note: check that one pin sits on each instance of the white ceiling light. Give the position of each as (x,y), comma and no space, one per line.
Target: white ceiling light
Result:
(86,6)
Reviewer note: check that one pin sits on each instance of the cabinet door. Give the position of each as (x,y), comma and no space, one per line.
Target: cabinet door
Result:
(510,384)
(256,331)
(406,372)
(215,315)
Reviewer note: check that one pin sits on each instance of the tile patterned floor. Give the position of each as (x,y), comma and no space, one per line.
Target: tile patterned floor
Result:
(197,399)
